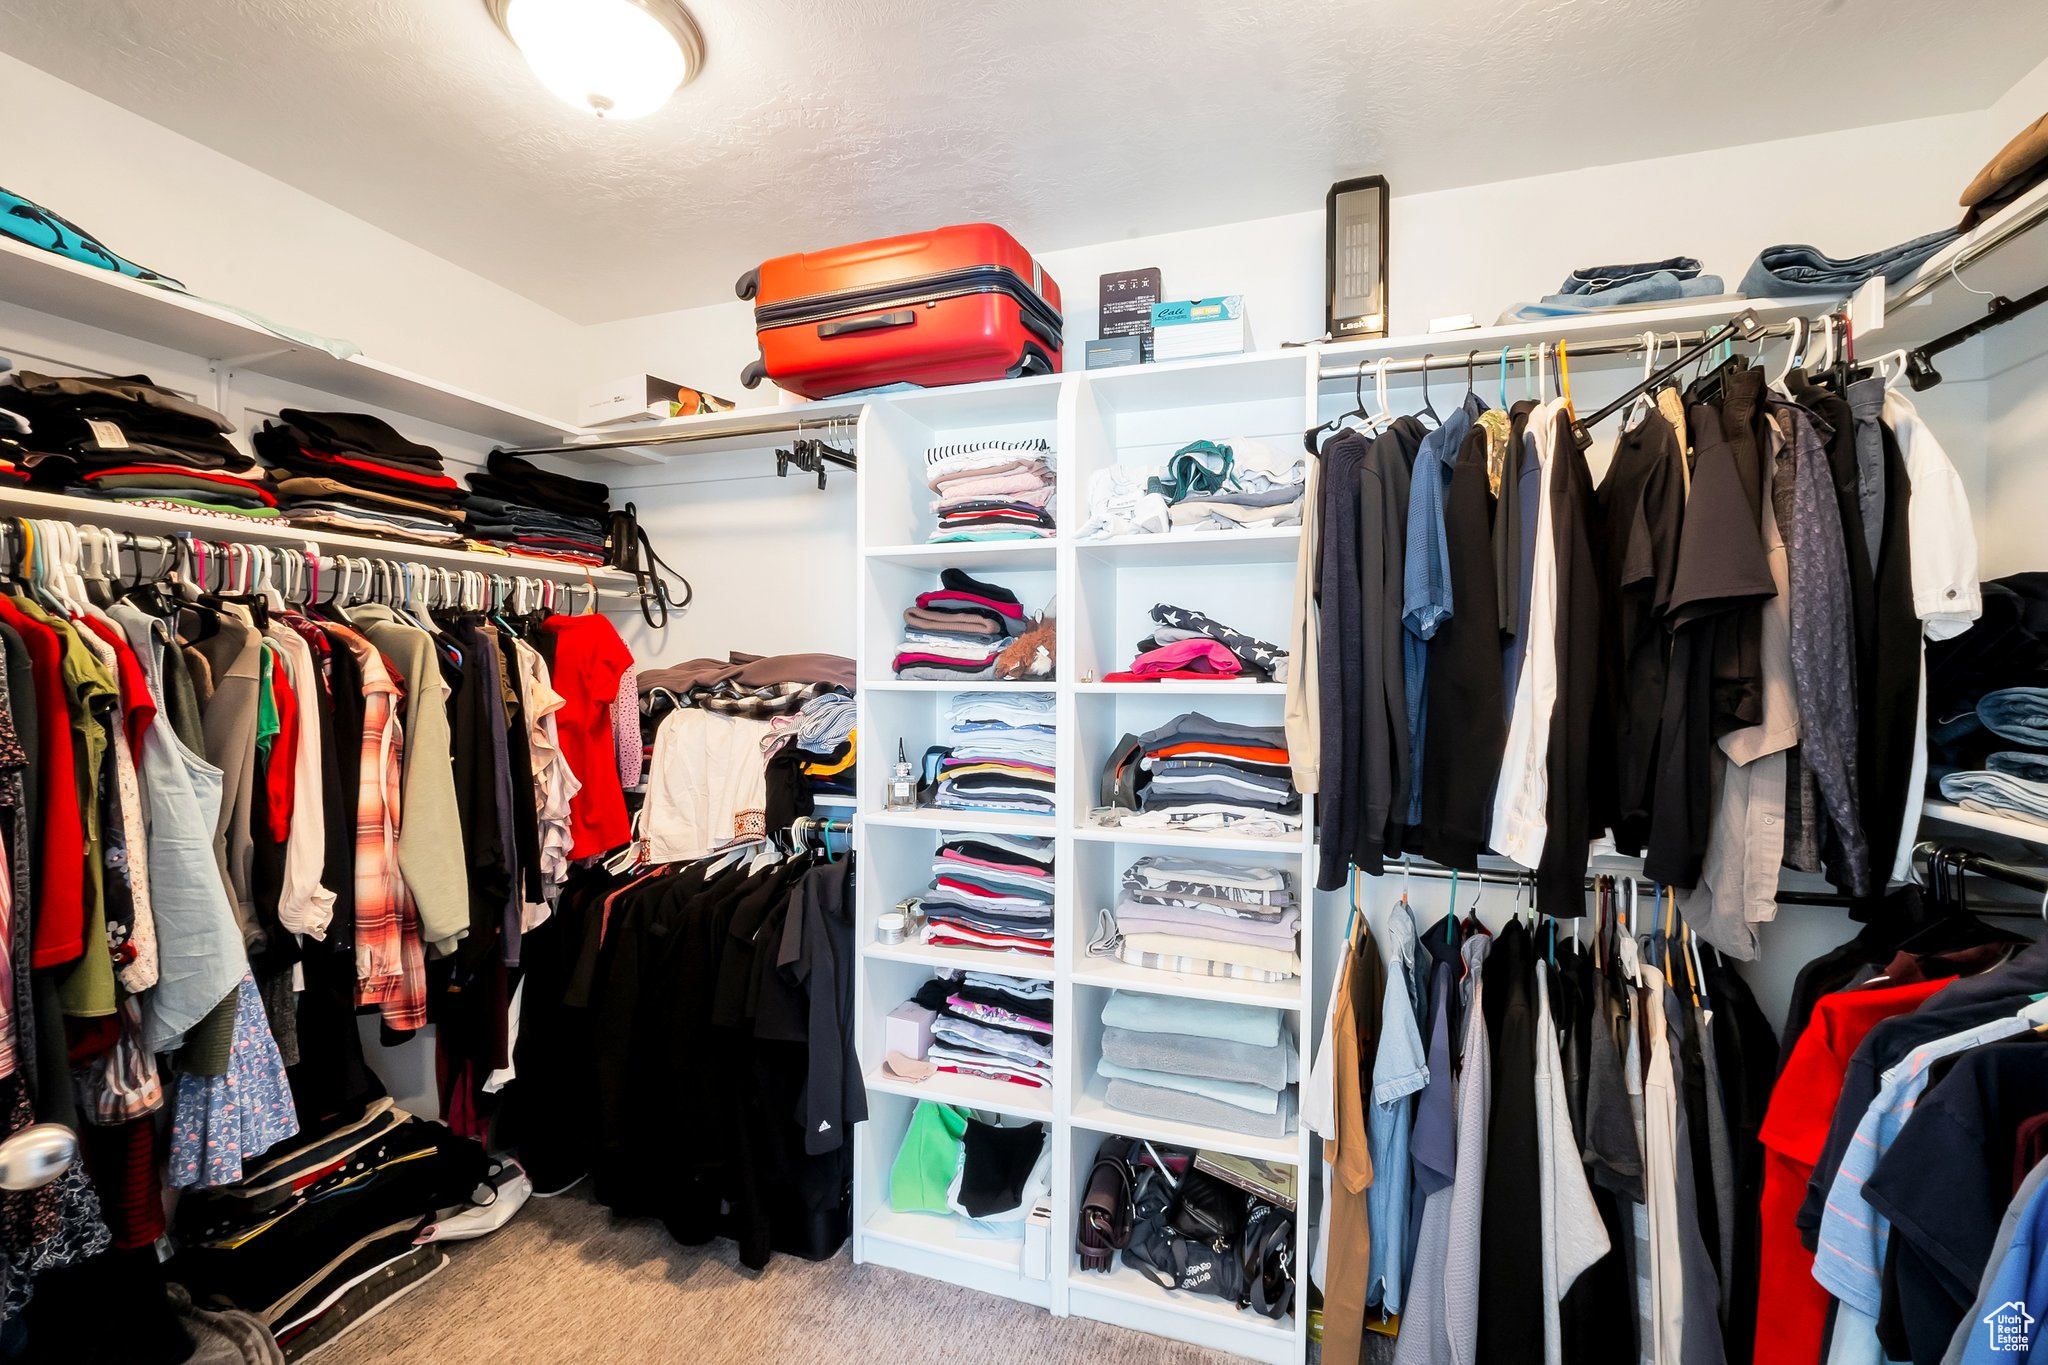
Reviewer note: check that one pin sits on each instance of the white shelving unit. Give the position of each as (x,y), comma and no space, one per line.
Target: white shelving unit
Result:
(1102,593)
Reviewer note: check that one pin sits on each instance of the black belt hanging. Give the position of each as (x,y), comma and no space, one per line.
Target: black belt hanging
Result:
(633,553)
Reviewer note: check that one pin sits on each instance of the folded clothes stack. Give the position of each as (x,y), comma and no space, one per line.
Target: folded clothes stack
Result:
(956,632)
(2014,780)
(991,490)
(1190,645)
(524,510)
(1001,758)
(1194,773)
(352,472)
(1205,486)
(990,1173)
(130,440)
(991,1026)
(1207,1062)
(825,736)
(1207,919)
(991,891)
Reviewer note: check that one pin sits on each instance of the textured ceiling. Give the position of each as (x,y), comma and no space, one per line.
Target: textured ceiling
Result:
(1070,121)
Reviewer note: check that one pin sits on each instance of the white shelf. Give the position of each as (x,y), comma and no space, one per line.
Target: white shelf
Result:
(1133,1286)
(160,521)
(2010,826)
(994,403)
(1194,549)
(941,1232)
(1112,974)
(49,283)
(1286,846)
(1100,592)
(1619,323)
(963,821)
(964,685)
(1093,1112)
(2005,254)
(976,556)
(1182,687)
(962,959)
(969,1092)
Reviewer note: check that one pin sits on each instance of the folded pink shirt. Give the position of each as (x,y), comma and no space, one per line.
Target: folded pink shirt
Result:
(1189,656)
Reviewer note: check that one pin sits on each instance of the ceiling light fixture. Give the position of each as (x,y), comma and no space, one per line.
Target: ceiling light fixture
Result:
(616,59)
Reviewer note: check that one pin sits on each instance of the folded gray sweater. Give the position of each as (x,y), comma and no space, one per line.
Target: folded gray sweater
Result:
(1272,1067)
(1135,1097)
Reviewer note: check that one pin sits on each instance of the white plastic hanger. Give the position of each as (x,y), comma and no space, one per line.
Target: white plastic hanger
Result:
(1644,404)
(1794,350)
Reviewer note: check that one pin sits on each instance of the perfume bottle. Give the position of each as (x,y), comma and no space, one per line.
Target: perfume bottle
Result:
(902,783)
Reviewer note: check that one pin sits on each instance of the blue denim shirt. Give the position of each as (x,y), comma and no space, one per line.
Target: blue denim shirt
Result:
(1399,1070)
(1426,578)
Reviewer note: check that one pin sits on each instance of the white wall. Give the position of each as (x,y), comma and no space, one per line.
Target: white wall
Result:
(234,234)
(1475,250)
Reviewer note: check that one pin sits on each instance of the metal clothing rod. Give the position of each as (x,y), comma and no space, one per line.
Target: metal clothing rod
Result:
(1510,875)
(1479,359)
(1920,371)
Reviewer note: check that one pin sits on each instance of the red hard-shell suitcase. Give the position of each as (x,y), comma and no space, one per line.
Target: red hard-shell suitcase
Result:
(954,306)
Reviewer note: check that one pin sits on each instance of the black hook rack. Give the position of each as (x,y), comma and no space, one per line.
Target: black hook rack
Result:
(812,456)
(1920,371)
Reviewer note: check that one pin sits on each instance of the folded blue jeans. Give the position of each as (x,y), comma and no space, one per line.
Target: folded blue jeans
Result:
(2019,714)
(1999,793)
(1790,271)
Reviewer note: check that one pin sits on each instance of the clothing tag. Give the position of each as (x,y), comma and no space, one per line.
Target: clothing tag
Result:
(106,435)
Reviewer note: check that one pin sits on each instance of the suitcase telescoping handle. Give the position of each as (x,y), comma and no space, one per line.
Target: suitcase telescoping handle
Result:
(874,322)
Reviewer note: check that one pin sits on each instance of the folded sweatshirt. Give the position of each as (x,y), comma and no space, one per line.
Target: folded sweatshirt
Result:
(1152,1101)
(1255,1025)
(1238,1063)
(358,433)
(1255,1099)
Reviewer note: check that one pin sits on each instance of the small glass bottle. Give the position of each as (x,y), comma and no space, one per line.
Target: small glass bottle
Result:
(902,783)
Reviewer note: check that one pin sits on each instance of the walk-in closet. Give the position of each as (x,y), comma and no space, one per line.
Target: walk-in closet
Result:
(1359,685)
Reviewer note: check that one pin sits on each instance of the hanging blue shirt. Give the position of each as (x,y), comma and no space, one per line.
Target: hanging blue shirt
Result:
(1426,576)
(1399,1070)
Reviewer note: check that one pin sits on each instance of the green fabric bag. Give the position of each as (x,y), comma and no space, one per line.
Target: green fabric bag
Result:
(928,1160)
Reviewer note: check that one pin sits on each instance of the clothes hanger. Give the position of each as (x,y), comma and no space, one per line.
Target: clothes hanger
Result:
(1504,377)
(1564,376)
(1644,404)
(1428,409)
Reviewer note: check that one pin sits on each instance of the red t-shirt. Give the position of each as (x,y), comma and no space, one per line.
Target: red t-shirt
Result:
(1792,1308)
(59,928)
(278,774)
(590,658)
(137,705)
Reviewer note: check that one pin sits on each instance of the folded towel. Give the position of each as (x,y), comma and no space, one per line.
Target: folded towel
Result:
(1238,1063)
(1135,1097)
(1270,960)
(1253,1099)
(1254,1025)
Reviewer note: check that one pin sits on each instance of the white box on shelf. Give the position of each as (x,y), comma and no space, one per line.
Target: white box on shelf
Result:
(908,1030)
(1200,327)
(1038,1241)
(644,398)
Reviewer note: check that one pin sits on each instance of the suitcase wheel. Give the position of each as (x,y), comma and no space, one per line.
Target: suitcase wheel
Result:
(1033,361)
(756,371)
(749,284)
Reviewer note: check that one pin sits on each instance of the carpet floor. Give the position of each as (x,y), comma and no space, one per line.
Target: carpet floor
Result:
(566,1283)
